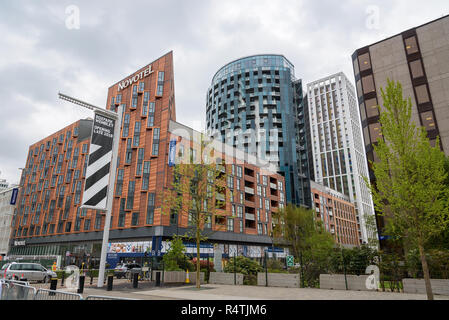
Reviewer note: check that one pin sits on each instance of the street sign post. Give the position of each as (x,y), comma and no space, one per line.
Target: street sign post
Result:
(290,261)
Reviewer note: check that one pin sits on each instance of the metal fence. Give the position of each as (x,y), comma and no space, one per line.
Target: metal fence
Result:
(16,290)
(45,294)
(106,298)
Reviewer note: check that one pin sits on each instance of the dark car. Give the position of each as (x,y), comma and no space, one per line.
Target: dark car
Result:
(124,270)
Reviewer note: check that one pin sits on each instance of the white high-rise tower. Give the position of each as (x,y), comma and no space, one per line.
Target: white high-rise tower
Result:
(339,160)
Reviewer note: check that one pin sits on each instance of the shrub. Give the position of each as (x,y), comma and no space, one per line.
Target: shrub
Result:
(243,265)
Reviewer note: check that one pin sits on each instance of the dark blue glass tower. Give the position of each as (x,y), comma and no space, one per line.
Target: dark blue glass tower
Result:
(255,104)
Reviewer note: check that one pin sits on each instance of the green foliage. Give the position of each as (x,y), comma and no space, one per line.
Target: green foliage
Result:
(243,265)
(175,257)
(411,180)
(276,266)
(310,242)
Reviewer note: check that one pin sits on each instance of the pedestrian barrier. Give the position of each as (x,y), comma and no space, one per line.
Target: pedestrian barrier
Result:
(106,298)
(45,294)
(11,290)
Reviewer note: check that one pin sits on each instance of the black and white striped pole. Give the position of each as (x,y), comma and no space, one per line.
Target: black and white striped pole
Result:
(101,169)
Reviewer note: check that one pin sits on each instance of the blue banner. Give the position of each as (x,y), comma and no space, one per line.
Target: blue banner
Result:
(156,246)
(172,153)
(14,194)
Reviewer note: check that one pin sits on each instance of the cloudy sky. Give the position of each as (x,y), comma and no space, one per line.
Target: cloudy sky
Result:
(43,50)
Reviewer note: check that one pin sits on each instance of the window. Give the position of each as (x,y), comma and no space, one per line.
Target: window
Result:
(160,76)
(136,139)
(126,125)
(97,220)
(368,84)
(422,95)
(416,69)
(130,199)
(146,175)
(375,132)
(230,224)
(411,46)
(118,189)
(150,208)
(364,62)
(140,156)
(160,89)
(371,107)
(155,150)
(86,224)
(135,219)
(121,216)
(141,86)
(129,152)
(428,120)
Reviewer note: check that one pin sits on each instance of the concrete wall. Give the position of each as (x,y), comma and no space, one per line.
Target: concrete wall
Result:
(192,277)
(225,278)
(337,282)
(283,280)
(439,286)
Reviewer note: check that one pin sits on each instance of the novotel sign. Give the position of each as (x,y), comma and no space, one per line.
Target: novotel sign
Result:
(126,83)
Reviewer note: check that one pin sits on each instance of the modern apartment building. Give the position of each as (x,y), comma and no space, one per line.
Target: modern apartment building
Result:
(49,220)
(337,144)
(256,105)
(337,213)
(418,59)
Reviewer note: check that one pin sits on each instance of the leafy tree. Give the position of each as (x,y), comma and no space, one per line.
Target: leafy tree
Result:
(310,242)
(198,191)
(410,177)
(175,257)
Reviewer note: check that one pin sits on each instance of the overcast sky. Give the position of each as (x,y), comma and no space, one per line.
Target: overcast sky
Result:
(42,51)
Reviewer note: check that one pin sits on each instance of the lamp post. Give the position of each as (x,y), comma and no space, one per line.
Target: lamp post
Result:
(117,117)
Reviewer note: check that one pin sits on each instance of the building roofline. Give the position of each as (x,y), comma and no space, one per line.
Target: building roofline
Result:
(123,79)
(255,55)
(400,33)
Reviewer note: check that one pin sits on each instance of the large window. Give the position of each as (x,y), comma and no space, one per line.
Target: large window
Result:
(417,69)
(130,200)
(375,132)
(150,208)
(364,62)
(411,46)
(371,108)
(422,95)
(155,150)
(368,84)
(428,120)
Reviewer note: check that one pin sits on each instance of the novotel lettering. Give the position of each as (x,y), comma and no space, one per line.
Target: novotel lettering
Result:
(126,83)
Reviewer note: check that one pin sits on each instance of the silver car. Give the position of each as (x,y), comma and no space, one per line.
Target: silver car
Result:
(27,271)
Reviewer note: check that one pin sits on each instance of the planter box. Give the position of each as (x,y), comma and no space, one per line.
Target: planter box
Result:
(177,276)
(439,286)
(225,278)
(283,280)
(337,282)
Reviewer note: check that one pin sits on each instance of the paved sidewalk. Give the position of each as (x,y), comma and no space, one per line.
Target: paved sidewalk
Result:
(231,292)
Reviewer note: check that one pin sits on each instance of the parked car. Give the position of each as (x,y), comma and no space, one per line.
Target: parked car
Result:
(124,270)
(27,271)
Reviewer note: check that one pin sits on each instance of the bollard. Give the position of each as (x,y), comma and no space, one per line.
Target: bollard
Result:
(91,278)
(81,284)
(110,280)
(53,285)
(62,278)
(135,279)
(158,278)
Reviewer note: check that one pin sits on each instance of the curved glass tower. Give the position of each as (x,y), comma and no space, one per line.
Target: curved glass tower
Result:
(255,104)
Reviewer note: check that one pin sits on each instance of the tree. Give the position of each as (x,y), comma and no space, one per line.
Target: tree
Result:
(175,257)
(410,177)
(310,242)
(198,191)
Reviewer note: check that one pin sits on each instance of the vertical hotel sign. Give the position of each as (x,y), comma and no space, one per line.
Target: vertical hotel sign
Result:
(100,154)
(172,153)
